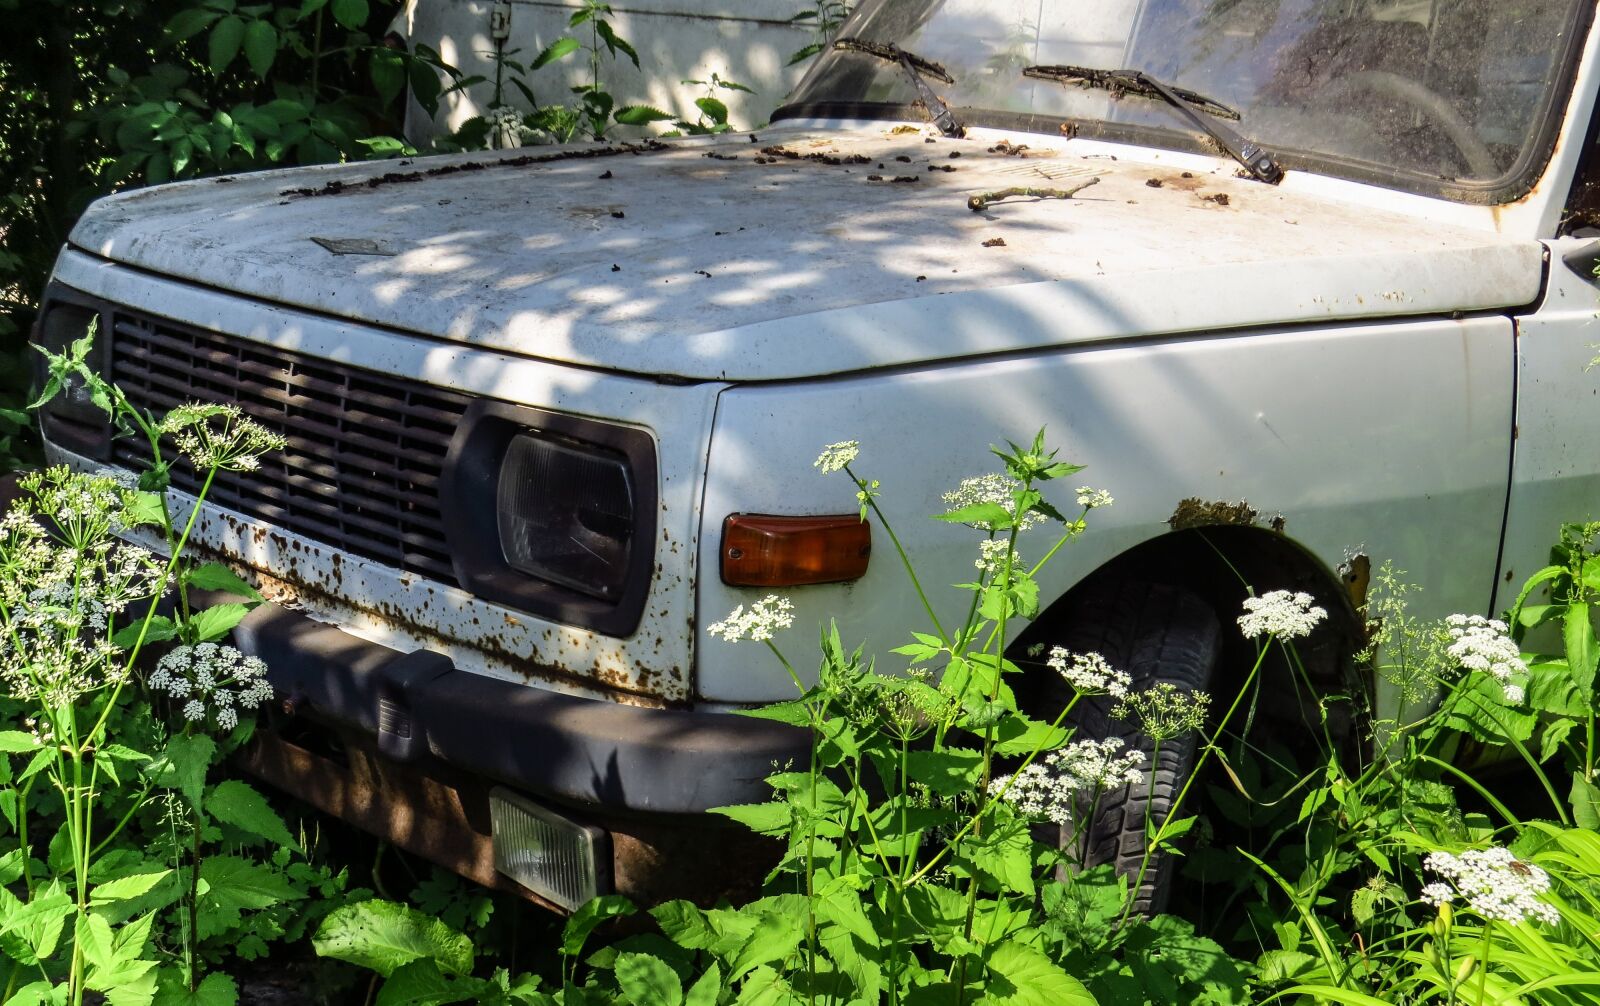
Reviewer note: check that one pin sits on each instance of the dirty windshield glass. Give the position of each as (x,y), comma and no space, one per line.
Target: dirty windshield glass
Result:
(1457,91)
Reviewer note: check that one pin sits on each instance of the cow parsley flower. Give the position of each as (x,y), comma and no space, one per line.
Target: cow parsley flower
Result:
(220,436)
(1485,645)
(1165,711)
(1091,499)
(994,488)
(1280,613)
(505,127)
(1053,787)
(992,553)
(758,624)
(834,457)
(1494,883)
(1089,673)
(214,678)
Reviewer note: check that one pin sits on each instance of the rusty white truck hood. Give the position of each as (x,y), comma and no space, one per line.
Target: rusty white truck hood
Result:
(714,260)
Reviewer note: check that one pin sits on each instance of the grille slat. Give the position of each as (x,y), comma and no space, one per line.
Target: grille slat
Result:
(366,451)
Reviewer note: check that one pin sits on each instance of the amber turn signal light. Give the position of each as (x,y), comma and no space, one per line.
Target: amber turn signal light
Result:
(763,550)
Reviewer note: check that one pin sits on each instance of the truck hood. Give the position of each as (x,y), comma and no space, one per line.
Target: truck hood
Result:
(800,254)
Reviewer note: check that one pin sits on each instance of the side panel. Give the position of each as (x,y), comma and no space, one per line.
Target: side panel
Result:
(1391,439)
(1556,475)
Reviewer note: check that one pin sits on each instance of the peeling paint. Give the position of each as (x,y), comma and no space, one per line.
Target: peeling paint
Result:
(1196,512)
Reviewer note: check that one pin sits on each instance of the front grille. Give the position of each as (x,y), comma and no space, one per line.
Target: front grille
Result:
(366,450)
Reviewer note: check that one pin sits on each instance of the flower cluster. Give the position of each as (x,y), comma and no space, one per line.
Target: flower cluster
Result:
(994,488)
(758,624)
(834,457)
(1089,673)
(1280,613)
(1052,787)
(1164,710)
(212,679)
(1483,644)
(220,437)
(911,706)
(506,127)
(83,506)
(1493,882)
(992,552)
(1093,499)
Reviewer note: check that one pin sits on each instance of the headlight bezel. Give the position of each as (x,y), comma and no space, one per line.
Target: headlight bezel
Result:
(470,491)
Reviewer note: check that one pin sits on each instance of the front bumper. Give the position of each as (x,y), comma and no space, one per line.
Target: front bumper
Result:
(575,751)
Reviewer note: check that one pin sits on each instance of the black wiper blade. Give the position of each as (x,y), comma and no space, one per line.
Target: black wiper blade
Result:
(918,70)
(1261,164)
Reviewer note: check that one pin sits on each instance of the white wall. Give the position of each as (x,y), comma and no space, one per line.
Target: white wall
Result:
(749,41)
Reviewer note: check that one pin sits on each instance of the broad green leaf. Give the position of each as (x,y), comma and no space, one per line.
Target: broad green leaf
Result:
(993,515)
(30,931)
(685,924)
(183,765)
(1019,975)
(233,802)
(706,989)
(349,13)
(1019,735)
(123,888)
(421,983)
(1555,732)
(160,630)
(216,576)
(215,989)
(388,74)
(260,46)
(559,49)
(774,937)
(588,917)
(648,981)
(714,110)
(217,621)
(639,115)
(226,38)
(17,742)
(1578,633)
(772,818)
(189,23)
(1585,799)
(383,936)
(231,886)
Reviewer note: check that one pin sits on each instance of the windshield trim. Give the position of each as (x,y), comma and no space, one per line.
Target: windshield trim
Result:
(1516,183)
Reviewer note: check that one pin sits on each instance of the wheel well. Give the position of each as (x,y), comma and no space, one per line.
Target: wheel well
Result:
(1222,565)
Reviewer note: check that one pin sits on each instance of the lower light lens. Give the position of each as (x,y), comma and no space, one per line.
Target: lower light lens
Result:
(560,860)
(566,514)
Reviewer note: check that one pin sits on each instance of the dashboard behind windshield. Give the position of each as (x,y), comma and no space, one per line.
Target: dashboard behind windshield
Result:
(1451,96)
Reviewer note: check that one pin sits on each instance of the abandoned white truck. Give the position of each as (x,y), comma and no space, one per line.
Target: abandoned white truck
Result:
(1328,295)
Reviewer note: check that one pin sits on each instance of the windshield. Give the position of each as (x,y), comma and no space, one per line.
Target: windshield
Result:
(1439,95)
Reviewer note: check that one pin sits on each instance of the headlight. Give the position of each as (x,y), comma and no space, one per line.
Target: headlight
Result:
(565,514)
(552,514)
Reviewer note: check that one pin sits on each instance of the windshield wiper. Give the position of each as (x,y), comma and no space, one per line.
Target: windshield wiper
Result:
(1261,164)
(918,70)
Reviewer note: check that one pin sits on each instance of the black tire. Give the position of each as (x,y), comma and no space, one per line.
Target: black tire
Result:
(1156,634)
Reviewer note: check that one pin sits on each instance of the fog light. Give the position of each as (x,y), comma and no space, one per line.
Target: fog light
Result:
(560,860)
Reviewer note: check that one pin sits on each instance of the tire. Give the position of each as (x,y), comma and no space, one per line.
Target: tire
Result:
(1156,634)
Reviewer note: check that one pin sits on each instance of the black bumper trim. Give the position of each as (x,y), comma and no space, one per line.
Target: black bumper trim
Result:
(576,750)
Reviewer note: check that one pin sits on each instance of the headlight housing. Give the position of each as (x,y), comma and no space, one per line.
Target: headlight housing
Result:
(552,514)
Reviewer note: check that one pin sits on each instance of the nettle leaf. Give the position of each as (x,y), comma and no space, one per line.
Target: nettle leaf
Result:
(234,803)
(183,766)
(231,886)
(124,888)
(561,48)
(648,981)
(1020,975)
(383,936)
(775,936)
(639,115)
(216,576)
(586,919)
(217,621)
(17,742)
(771,818)
(992,514)
(946,772)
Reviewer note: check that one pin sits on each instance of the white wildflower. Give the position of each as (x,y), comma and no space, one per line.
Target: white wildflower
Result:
(992,554)
(1485,645)
(1165,711)
(505,127)
(834,457)
(213,677)
(1089,673)
(992,488)
(220,437)
(758,624)
(1091,499)
(1437,894)
(1060,783)
(1280,613)
(1494,883)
